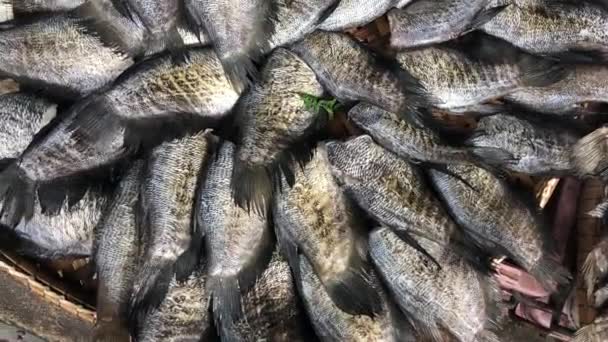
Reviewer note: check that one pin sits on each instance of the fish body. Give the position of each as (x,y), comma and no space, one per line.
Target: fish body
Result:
(297,18)
(455,80)
(333,324)
(350,72)
(523,146)
(354,13)
(547,28)
(183,315)
(314,218)
(403,138)
(102,129)
(239,243)
(453,296)
(389,189)
(22,116)
(168,196)
(240,31)
(160,20)
(160,88)
(116,257)
(273,121)
(271,310)
(500,220)
(584,83)
(428,22)
(66,54)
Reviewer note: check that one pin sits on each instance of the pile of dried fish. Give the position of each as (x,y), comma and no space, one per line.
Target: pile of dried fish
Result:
(185,146)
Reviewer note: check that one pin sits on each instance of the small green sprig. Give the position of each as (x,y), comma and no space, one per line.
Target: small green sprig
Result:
(316,104)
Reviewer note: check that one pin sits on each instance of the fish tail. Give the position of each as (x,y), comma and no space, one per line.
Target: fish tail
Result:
(251,187)
(590,153)
(149,292)
(226,297)
(18,192)
(550,273)
(538,72)
(355,292)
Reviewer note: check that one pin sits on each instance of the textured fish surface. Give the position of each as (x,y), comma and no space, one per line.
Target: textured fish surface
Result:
(66,55)
(183,315)
(403,138)
(389,189)
(168,196)
(60,153)
(523,146)
(116,257)
(274,123)
(583,83)
(351,72)
(546,27)
(21,117)
(594,332)
(590,154)
(500,220)
(297,18)
(316,219)
(453,296)
(333,324)
(239,243)
(428,22)
(354,13)
(595,270)
(240,31)
(103,129)
(455,80)
(271,309)
(160,19)
(66,233)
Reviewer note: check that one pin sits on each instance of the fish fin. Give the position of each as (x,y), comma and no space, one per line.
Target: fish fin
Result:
(483,16)
(87,14)
(407,238)
(487,336)
(353,290)
(93,120)
(492,155)
(6,162)
(190,260)
(539,72)
(600,296)
(426,326)
(150,290)
(19,193)
(289,249)
(253,187)
(574,56)
(327,12)
(444,169)
(240,65)
(600,210)
(590,153)
(51,197)
(550,273)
